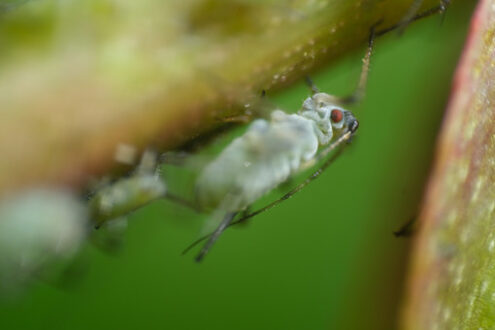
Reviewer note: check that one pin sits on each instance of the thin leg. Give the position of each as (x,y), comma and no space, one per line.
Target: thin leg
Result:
(311,85)
(360,90)
(408,17)
(435,10)
(288,195)
(182,201)
(407,229)
(413,9)
(215,235)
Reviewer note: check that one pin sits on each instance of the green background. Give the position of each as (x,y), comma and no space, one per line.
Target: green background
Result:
(325,259)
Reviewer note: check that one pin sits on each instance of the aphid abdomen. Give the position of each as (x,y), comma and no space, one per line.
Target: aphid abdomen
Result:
(257,162)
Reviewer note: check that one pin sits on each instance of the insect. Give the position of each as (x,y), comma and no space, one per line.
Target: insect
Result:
(39,228)
(127,194)
(271,151)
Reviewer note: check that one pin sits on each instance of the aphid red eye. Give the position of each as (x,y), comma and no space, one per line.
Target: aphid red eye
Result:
(336,115)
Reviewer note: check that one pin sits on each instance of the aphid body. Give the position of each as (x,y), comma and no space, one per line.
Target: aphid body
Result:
(128,194)
(124,196)
(270,152)
(39,227)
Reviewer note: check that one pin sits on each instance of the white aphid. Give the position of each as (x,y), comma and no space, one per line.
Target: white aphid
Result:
(124,196)
(117,199)
(273,150)
(270,152)
(37,228)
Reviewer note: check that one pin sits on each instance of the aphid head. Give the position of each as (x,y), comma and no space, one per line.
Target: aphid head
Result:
(325,106)
(347,123)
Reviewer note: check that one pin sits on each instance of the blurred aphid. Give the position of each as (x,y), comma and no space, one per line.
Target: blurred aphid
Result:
(118,199)
(38,228)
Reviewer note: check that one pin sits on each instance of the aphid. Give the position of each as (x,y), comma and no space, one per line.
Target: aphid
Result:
(271,151)
(39,227)
(128,194)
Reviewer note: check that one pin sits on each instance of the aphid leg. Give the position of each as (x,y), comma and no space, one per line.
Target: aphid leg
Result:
(360,90)
(413,9)
(183,201)
(311,85)
(215,235)
(407,229)
(441,8)
(409,16)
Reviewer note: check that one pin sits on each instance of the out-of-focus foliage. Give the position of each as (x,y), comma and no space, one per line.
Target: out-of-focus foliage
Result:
(38,228)
(79,77)
(452,280)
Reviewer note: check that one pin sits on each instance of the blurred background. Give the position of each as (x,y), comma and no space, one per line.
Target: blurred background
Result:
(325,259)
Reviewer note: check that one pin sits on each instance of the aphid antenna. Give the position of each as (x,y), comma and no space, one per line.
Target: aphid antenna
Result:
(311,85)
(360,89)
